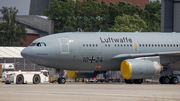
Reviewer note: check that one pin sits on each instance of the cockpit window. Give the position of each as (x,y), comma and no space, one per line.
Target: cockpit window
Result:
(43,44)
(39,44)
(33,44)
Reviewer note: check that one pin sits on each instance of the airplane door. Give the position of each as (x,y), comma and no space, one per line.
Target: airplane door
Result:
(64,46)
(135,47)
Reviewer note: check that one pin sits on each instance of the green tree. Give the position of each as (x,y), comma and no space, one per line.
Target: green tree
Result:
(12,33)
(62,13)
(127,23)
(152,16)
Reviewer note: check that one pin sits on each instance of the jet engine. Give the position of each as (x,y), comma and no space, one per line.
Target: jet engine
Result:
(82,74)
(139,69)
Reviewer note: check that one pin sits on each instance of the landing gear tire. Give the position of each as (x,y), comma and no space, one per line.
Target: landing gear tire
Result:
(61,80)
(130,81)
(36,79)
(20,79)
(161,80)
(138,81)
(166,80)
(174,80)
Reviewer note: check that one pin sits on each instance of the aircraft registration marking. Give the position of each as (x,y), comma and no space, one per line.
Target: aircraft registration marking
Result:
(92,59)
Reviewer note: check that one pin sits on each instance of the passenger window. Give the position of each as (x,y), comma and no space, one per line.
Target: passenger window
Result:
(124,45)
(86,45)
(155,45)
(96,45)
(127,45)
(140,45)
(130,45)
(90,45)
(106,45)
(109,45)
(83,45)
(115,45)
(118,45)
(93,45)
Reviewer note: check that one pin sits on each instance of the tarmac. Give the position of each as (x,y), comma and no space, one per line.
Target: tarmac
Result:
(90,92)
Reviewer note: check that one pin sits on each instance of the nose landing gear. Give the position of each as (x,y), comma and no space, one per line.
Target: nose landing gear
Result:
(61,79)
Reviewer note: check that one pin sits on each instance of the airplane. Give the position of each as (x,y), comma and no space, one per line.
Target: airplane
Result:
(86,54)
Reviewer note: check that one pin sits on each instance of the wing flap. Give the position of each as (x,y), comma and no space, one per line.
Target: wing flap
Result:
(130,56)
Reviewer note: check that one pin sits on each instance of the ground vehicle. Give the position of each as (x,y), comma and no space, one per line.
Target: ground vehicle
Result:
(6,67)
(22,77)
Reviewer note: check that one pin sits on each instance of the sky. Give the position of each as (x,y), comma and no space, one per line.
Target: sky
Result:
(21,5)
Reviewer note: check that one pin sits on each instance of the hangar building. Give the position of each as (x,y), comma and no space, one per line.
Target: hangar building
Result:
(170,15)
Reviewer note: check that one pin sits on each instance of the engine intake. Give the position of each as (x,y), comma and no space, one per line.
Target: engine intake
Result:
(139,69)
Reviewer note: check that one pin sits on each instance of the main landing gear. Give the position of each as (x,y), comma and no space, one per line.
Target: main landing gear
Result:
(135,81)
(61,79)
(168,80)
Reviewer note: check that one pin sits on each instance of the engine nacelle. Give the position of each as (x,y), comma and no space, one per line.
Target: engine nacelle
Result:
(82,74)
(139,69)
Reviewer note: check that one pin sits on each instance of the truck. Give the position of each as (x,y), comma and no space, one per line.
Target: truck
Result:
(6,67)
(24,77)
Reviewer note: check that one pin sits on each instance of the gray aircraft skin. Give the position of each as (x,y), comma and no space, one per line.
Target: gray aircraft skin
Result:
(103,51)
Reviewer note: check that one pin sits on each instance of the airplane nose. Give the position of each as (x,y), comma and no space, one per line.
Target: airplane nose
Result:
(26,53)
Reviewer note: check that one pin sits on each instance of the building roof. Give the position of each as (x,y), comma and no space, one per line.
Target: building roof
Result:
(11,52)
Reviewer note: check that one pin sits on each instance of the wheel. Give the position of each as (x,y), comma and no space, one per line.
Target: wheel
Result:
(126,81)
(7,83)
(161,80)
(130,81)
(61,80)
(138,81)
(36,79)
(174,80)
(20,79)
(166,80)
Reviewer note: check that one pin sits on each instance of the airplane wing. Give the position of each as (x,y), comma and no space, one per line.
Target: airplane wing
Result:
(131,56)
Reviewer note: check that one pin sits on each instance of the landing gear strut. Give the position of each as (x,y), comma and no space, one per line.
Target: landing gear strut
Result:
(61,79)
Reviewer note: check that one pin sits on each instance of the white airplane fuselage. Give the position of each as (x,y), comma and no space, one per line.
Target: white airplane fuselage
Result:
(94,51)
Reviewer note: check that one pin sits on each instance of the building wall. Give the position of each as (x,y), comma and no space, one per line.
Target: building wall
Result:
(37,7)
(170,15)
(31,38)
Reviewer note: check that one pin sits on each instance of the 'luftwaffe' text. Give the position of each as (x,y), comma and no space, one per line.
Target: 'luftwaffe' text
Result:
(116,40)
